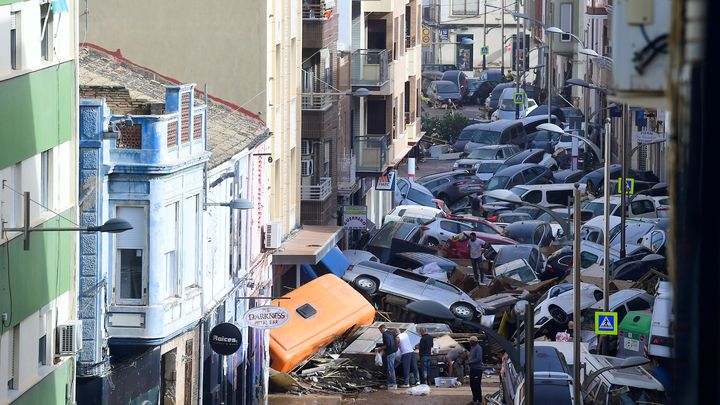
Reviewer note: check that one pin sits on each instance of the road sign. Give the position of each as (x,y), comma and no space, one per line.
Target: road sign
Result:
(629,186)
(519,98)
(484,50)
(355,217)
(606,323)
(426,36)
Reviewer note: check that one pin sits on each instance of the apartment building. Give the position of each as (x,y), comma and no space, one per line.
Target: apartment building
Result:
(38,148)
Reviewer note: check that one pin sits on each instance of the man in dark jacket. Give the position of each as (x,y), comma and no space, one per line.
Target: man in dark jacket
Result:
(425,349)
(476,364)
(389,347)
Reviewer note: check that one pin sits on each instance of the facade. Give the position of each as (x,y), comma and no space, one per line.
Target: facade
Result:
(160,155)
(38,148)
(385,125)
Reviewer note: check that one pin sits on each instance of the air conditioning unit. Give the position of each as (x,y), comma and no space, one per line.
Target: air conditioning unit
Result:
(68,339)
(273,235)
(306,167)
(306,147)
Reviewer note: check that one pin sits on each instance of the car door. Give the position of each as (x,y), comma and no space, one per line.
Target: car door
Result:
(405,284)
(440,292)
(448,229)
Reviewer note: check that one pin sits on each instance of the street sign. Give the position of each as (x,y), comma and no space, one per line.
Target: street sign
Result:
(484,50)
(225,338)
(649,137)
(606,323)
(355,217)
(629,186)
(267,317)
(386,182)
(444,34)
(519,98)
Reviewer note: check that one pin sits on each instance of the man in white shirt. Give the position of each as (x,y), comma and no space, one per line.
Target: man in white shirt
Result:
(477,247)
(407,356)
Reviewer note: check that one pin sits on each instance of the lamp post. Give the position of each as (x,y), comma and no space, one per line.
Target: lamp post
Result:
(550,30)
(112,225)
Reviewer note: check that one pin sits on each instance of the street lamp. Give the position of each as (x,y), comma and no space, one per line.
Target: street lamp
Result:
(628,362)
(235,204)
(112,225)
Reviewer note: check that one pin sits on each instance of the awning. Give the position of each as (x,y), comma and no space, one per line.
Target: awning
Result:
(333,262)
(308,245)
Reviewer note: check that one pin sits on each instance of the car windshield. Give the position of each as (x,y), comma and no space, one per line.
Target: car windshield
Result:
(485,137)
(508,104)
(519,191)
(523,237)
(488,167)
(523,273)
(546,136)
(548,218)
(497,182)
(482,154)
(598,207)
(473,85)
(447,88)
(420,197)
(621,395)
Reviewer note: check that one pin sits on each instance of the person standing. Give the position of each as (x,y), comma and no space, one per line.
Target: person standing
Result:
(476,364)
(476,256)
(409,361)
(455,360)
(389,348)
(425,348)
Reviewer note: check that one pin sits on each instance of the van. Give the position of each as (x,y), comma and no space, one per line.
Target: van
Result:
(501,132)
(459,78)
(661,338)
(546,194)
(320,312)
(506,106)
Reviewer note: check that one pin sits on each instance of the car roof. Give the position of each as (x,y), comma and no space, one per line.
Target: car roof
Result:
(636,377)
(516,168)
(553,186)
(498,125)
(494,147)
(621,296)
(443,174)
(547,358)
(511,90)
(444,82)
(522,155)
(525,225)
(426,257)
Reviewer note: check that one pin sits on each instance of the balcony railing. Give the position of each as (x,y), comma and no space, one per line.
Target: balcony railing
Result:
(347,176)
(410,41)
(316,101)
(316,12)
(371,152)
(317,192)
(370,67)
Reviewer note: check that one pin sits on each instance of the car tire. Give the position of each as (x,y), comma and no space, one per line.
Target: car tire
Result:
(558,314)
(368,285)
(432,242)
(463,310)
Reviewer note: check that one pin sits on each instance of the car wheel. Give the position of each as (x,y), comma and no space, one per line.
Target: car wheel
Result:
(598,295)
(558,314)
(464,311)
(367,284)
(432,242)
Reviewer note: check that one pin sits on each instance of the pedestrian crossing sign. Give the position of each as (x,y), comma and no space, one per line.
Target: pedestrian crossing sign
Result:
(629,186)
(606,323)
(484,50)
(519,97)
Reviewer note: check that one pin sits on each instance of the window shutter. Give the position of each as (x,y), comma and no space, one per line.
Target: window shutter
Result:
(13,21)
(133,238)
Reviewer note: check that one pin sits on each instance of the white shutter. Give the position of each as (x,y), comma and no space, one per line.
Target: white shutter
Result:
(566,15)
(306,168)
(13,20)
(134,238)
(306,148)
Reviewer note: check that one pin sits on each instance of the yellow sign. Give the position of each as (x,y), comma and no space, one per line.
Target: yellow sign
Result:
(629,186)
(606,323)
(426,36)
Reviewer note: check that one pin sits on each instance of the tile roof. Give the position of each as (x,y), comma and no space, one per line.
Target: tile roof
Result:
(229,130)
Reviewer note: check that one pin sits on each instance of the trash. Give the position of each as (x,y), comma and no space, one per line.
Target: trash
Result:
(446,382)
(422,389)
(378,359)
(368,390)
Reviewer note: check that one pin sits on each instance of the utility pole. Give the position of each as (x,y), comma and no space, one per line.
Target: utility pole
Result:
(517,56)
(548,64)
(576,295)
(626,130)
(502,38)
(484,34)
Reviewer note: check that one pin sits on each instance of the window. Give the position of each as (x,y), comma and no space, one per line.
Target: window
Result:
(14,48)
(642,207)
(131,279)
(534,197)
(410,275)
(171,250)
(449,226)
(538,235)
(43,342)
(466,7)
(638,304)
(559,197)
(46,30)
(587,259)
(44,179)
(191,237)
(566,17)
(14,357)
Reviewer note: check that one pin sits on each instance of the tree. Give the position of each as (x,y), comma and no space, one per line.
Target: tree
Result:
(447,127)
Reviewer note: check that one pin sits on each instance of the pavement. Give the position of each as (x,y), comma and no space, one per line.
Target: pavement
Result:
(437,396)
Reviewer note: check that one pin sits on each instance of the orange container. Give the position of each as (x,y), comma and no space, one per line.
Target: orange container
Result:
(320,312)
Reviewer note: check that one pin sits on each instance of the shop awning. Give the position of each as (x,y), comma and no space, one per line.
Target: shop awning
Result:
(308,245)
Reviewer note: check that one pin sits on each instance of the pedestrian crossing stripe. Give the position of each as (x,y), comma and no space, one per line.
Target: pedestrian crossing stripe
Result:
(606,323)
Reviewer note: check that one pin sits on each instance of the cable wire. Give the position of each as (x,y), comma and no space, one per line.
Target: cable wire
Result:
(4,185)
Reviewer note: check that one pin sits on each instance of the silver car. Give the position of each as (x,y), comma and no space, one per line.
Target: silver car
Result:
(371,278)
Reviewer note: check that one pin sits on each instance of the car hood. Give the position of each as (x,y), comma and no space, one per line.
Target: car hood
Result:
(468,161)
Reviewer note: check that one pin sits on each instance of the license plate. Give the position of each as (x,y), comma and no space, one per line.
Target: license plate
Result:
(632,344)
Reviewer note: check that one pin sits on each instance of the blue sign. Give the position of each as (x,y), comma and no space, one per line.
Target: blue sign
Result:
(444,34)
(484,50)
(519,98)
(606,323)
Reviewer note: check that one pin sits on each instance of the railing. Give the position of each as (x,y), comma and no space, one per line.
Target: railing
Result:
(410,41)
(347,177)
(370,67)
(316,101)
(317,192)
(371,152)
(315,12)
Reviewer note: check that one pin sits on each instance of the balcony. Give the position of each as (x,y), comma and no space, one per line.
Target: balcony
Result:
(316,101)
(347,176)
(317,192)
(371,152)
(370,67)
(320,27)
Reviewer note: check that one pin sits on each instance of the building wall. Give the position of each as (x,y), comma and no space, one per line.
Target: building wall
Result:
(38,141)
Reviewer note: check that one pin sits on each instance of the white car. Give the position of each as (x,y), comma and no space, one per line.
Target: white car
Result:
(556,305)
(532,104)
(641,206)
(662,206)
(438,231)
(417,214)
(566,141)
(356,256)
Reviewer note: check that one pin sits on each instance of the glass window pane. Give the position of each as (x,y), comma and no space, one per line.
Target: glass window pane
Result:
(130,273)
